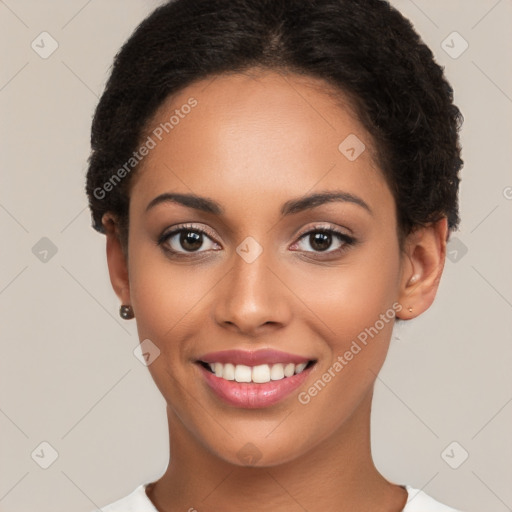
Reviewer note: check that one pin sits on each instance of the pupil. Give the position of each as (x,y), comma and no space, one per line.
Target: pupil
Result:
(191,240)
(321,241)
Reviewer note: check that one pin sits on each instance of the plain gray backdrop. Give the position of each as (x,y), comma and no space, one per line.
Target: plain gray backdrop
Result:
(69,377)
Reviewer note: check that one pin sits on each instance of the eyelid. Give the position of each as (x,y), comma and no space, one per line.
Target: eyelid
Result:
(328,228)
(207,231)
(324,227)
(183,227)
(202,229)
(347,241)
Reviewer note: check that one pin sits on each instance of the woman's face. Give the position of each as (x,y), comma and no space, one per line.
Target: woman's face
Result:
(263,281)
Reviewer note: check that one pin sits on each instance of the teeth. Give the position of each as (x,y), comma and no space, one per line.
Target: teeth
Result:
(289,370)
(228,371)
(277,372)
(242,373)
(300,367)
(259,374)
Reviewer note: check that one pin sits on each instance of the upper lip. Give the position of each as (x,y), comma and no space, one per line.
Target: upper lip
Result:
(253,357)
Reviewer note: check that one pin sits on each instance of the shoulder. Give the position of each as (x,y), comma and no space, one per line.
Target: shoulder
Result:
(136,501)
(418,501)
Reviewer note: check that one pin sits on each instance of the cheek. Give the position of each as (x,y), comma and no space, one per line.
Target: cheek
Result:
(163,295)
(164,299)
(352,297)
(353,317)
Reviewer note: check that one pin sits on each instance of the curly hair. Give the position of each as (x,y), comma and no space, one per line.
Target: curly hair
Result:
(364,48)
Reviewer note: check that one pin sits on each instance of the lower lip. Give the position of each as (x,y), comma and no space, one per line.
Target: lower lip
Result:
(250,395)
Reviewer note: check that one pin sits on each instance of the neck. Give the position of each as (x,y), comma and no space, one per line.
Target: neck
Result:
(337,475)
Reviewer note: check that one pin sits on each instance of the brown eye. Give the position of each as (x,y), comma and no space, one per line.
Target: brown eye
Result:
(191,240)
(183,240)
(320,240)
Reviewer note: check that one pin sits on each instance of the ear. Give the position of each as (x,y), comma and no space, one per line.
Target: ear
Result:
(422,266)
(116,259)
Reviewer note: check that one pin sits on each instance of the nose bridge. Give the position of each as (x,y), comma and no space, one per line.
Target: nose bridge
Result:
(250,272)
(251,295)
(250,275)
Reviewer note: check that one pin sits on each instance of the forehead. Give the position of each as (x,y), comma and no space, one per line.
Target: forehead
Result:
(257,133)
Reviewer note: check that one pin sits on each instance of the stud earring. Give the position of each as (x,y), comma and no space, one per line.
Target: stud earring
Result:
(414,278)
(409,309)
(126,312)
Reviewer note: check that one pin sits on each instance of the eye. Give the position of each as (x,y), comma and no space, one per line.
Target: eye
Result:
(320,239)
(187,239)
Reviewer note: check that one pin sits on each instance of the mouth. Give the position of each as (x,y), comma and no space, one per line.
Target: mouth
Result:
(253,379)
(259,374)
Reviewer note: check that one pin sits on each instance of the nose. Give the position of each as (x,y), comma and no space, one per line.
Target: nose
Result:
(252,299)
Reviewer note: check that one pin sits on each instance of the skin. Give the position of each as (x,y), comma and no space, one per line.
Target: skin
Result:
(254,141)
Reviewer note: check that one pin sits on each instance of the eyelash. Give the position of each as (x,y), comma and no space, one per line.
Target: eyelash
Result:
(347,240)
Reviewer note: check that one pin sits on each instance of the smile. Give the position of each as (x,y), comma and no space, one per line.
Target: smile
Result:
(258,374)
(253,379)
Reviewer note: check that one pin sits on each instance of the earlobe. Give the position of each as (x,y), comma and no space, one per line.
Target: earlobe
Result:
(117,264)
(424,258)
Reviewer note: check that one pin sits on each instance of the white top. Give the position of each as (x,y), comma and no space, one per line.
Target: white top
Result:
(138,501)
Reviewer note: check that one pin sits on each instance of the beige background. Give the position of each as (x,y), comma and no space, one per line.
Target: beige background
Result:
(67,369)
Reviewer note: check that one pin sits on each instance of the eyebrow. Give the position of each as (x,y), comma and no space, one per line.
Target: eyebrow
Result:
(290,207)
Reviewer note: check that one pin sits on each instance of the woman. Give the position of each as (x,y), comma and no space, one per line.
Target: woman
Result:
(277,181)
